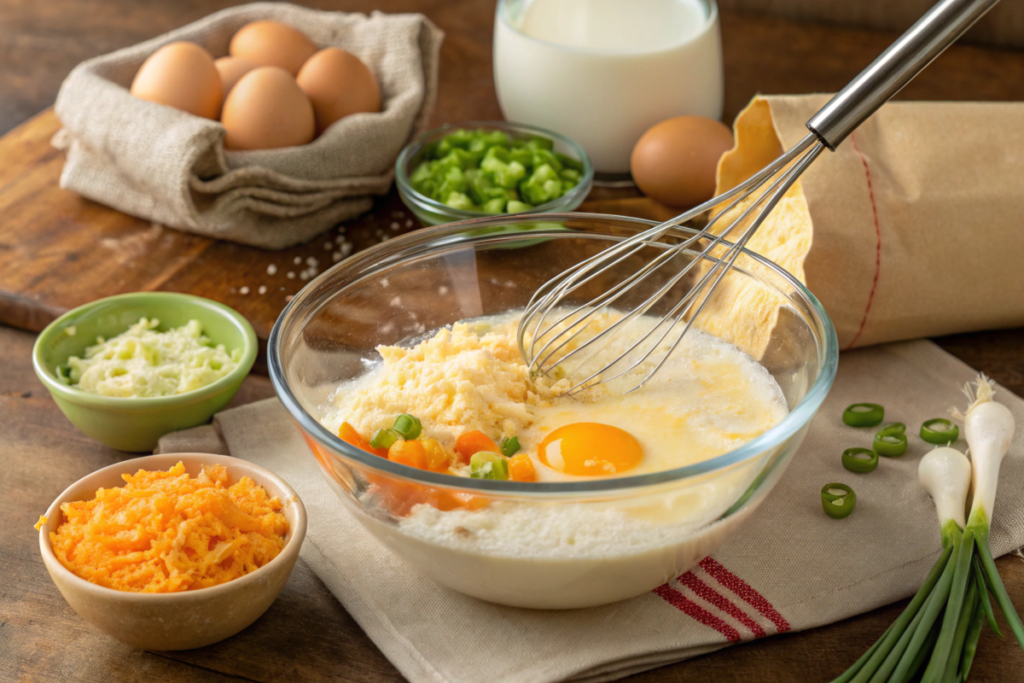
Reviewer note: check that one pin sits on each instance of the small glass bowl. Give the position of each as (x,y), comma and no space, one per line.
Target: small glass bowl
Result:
(433,212)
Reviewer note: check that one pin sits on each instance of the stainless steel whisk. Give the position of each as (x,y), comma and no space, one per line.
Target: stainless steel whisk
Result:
(547,346)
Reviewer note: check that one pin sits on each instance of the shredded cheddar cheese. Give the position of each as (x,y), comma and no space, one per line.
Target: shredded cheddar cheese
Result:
(166,532)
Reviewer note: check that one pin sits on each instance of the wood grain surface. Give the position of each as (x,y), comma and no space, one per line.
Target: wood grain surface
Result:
(57,251)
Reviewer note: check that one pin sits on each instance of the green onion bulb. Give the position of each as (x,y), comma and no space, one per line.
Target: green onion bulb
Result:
(864,415)
(939,431)
(860,460)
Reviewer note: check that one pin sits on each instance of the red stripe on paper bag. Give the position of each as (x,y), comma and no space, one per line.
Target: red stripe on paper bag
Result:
(878,241)
(696,612)
(745,592)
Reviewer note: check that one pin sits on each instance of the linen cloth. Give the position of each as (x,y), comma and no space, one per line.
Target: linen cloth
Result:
(788,567)
(168,166)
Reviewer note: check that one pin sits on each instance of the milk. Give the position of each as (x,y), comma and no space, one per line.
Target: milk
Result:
(604,71)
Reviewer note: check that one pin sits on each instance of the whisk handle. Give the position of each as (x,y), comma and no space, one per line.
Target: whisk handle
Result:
(894,68)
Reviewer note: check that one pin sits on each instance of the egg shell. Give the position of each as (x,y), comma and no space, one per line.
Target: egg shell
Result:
(338,83)
(181,75)
(271,43)
(231,70)
(267,109)
(675,161)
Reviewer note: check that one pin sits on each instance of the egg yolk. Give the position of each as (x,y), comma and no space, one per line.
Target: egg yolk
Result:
(590,449)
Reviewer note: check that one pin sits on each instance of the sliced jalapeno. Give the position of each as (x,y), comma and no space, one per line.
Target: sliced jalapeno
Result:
(893,428)
(860,460)
(939,431)
(838,500)
(864,415)
(889,444)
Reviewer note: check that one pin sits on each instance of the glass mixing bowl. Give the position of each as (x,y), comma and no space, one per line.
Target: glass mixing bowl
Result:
(539,545)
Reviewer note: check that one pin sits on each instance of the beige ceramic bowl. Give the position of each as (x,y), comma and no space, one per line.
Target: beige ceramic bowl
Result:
(177,621)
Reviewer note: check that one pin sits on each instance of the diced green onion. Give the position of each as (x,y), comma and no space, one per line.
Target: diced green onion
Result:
(408,426)
(509,446)
(384,438)
(860,460)
(864,415)
(939,431)
(488,465)
(838,500)
(890,445)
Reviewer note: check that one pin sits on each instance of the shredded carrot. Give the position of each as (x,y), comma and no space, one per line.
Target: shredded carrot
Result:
(165,532)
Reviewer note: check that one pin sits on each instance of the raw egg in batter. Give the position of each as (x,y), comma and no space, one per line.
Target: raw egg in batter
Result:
(590,449)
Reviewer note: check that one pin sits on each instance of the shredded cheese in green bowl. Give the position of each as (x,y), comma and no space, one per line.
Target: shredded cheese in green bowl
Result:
(143,362)
(131,368)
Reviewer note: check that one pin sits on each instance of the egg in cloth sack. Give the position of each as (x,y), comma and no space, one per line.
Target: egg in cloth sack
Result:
(228,127)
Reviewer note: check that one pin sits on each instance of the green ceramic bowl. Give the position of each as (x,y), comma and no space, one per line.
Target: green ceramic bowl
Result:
(135,424)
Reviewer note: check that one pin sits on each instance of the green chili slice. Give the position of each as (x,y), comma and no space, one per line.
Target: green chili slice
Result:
(889,444)
(408,426)
(509,446)
(384,438)
(864,415)
(838,500)
(894,428)
(860,460)
(939,431)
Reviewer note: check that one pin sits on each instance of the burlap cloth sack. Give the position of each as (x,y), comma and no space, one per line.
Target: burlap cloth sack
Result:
(911,228)
(788,568)
(168,166)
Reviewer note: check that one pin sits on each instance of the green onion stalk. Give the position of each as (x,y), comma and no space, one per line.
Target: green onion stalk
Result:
(946,474)
(988,428)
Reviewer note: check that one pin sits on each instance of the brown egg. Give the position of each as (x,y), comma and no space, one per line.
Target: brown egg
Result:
(267,109)
(271,43)
(231,69)
(338,83)
(180,75)
(675,161)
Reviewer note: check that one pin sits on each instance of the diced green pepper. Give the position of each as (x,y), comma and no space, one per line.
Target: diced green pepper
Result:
(514,206)
(490,172)
(458,200)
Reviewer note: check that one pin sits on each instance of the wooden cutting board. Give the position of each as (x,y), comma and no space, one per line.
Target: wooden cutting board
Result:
(59,251)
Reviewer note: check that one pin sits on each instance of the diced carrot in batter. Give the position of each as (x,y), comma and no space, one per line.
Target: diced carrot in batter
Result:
(409,453)
(349,435)
(520,468)
(473,442)
(437,458)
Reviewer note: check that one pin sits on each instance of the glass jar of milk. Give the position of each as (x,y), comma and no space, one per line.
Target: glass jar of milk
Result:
(604,71)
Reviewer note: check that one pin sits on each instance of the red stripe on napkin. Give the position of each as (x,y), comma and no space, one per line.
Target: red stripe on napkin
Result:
(695,611)
(706,592)
(745,592)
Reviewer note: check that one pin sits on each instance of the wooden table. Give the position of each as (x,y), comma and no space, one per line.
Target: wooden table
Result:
(306,634)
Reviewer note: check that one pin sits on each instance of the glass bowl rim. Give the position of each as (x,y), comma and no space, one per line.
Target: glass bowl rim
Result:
(580,191)
(415,244)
